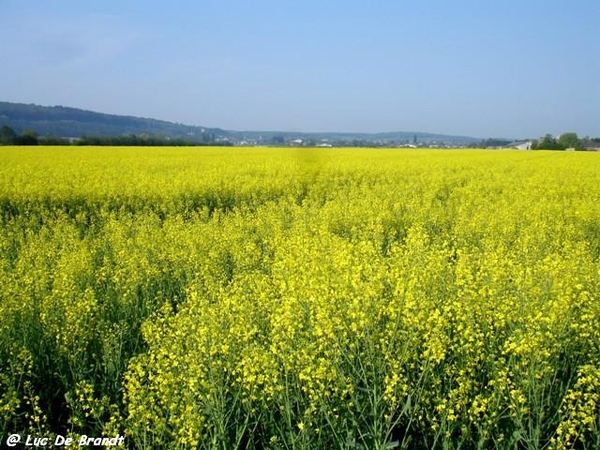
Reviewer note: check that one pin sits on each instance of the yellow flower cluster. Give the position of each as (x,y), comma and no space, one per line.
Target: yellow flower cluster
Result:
(277,298)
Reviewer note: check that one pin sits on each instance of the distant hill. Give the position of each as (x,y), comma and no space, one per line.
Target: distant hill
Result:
(72,122)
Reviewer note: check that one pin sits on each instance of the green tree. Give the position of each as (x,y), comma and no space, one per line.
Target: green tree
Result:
(7,135)
(548,143)
(569,140)
(28,137)
(53,140)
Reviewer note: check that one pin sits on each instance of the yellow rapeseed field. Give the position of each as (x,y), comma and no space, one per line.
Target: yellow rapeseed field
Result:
(301,299)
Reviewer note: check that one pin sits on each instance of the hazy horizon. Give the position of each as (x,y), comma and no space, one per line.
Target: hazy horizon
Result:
(511,69)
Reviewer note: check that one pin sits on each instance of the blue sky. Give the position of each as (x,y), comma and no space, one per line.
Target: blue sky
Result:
(479,68)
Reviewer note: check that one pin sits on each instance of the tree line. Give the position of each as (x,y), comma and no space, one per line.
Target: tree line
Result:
(563,142)
(28,137)
(9,137)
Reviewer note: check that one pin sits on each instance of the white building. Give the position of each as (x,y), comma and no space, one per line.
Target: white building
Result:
(521,145)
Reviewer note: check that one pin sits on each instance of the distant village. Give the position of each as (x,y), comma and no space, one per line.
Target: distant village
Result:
(567,141)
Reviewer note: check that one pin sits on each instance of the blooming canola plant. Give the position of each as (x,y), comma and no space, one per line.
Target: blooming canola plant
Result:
(277,298)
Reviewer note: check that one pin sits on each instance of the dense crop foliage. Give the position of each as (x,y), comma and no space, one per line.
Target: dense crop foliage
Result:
(290,299)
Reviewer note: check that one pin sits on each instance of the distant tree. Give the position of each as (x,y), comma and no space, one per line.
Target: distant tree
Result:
(207,137)
(142,140)
(359,143)
(278,140)
(53,140)
(7,135)
(569,140)
(28,137)
(548,143)
(492,142)
(588,143)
